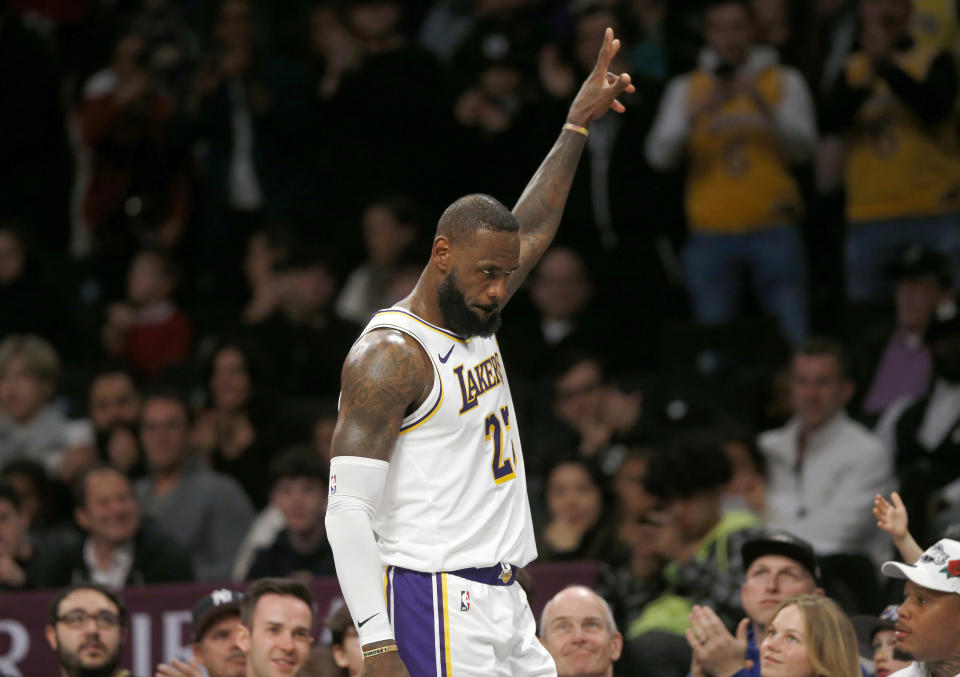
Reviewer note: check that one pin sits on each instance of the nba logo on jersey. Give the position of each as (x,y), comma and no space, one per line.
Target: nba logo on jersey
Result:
(464,600)
(506,572)
(333,484)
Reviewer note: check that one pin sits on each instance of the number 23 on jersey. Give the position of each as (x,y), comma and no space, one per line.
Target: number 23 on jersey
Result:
(496,428)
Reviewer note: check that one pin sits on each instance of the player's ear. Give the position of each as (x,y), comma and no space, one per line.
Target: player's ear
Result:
(442,254)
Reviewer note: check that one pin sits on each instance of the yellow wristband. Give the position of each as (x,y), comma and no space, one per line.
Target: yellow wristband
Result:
(577,128)
(379,650)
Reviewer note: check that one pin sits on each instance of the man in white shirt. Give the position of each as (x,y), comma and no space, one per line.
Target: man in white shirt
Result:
(928,620)
(824,468)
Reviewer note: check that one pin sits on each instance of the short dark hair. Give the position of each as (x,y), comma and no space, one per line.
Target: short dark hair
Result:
(80,484)
(34,472)
(711,5)
(9,495)
(53,610)
(473,213)
(402,207)
(692,464)
(298,462)
(574,357)
(732,433)
(278,236)
(272,586)
(168,265)
(338,623)
(115,369)
(817,346)
(169,393)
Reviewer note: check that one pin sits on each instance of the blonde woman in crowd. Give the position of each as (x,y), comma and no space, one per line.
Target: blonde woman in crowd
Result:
(809,636)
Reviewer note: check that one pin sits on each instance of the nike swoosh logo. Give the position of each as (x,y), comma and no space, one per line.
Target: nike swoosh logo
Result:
(443,360)
(360,624)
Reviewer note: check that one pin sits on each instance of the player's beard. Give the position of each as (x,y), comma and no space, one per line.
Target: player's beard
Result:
(73,668)
(458,315)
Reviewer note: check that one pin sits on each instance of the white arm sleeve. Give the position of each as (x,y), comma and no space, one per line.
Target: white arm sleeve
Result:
(356,484)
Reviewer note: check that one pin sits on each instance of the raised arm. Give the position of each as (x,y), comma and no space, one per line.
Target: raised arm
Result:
(540,207)
(385,374)
(893,518)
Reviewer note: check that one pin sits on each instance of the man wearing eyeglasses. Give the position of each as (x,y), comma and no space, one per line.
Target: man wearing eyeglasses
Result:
(86,630)
(180,489)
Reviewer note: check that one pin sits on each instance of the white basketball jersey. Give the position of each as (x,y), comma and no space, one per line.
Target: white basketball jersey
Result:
(456,494)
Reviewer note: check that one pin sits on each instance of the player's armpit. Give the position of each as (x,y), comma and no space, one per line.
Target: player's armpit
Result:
(385,375)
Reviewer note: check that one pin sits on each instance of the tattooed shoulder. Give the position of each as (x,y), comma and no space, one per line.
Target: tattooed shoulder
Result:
(385,368)
(386,372)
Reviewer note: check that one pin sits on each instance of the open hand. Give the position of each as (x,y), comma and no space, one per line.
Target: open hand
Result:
(178,668)
(601,88)
(717,651)
(891,517)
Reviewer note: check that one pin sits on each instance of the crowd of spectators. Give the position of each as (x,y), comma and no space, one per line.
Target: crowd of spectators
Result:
(747,320)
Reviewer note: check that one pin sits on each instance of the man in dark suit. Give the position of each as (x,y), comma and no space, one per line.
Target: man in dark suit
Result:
(120,548)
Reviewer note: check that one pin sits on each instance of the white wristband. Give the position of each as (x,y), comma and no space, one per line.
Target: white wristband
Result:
(356,484)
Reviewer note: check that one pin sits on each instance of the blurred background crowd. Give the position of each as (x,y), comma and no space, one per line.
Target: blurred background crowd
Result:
(747,317)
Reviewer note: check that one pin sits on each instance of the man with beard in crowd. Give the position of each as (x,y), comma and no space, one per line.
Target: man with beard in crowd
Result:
(86,629)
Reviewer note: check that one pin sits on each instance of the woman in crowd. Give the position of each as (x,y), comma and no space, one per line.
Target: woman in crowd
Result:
(578,526)
(809,636)
(230,431)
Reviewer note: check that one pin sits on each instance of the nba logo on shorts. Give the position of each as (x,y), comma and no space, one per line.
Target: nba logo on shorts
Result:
(333,484)
(464,600)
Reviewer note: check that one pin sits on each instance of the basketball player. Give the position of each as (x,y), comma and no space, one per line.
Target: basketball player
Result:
(427,451)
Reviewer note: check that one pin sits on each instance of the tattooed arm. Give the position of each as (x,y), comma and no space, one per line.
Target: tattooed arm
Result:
(385,374)
(540,207)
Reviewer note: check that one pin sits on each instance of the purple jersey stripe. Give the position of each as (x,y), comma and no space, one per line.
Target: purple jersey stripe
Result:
(413,621)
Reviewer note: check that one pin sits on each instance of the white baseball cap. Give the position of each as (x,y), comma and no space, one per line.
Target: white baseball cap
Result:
(937,569)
